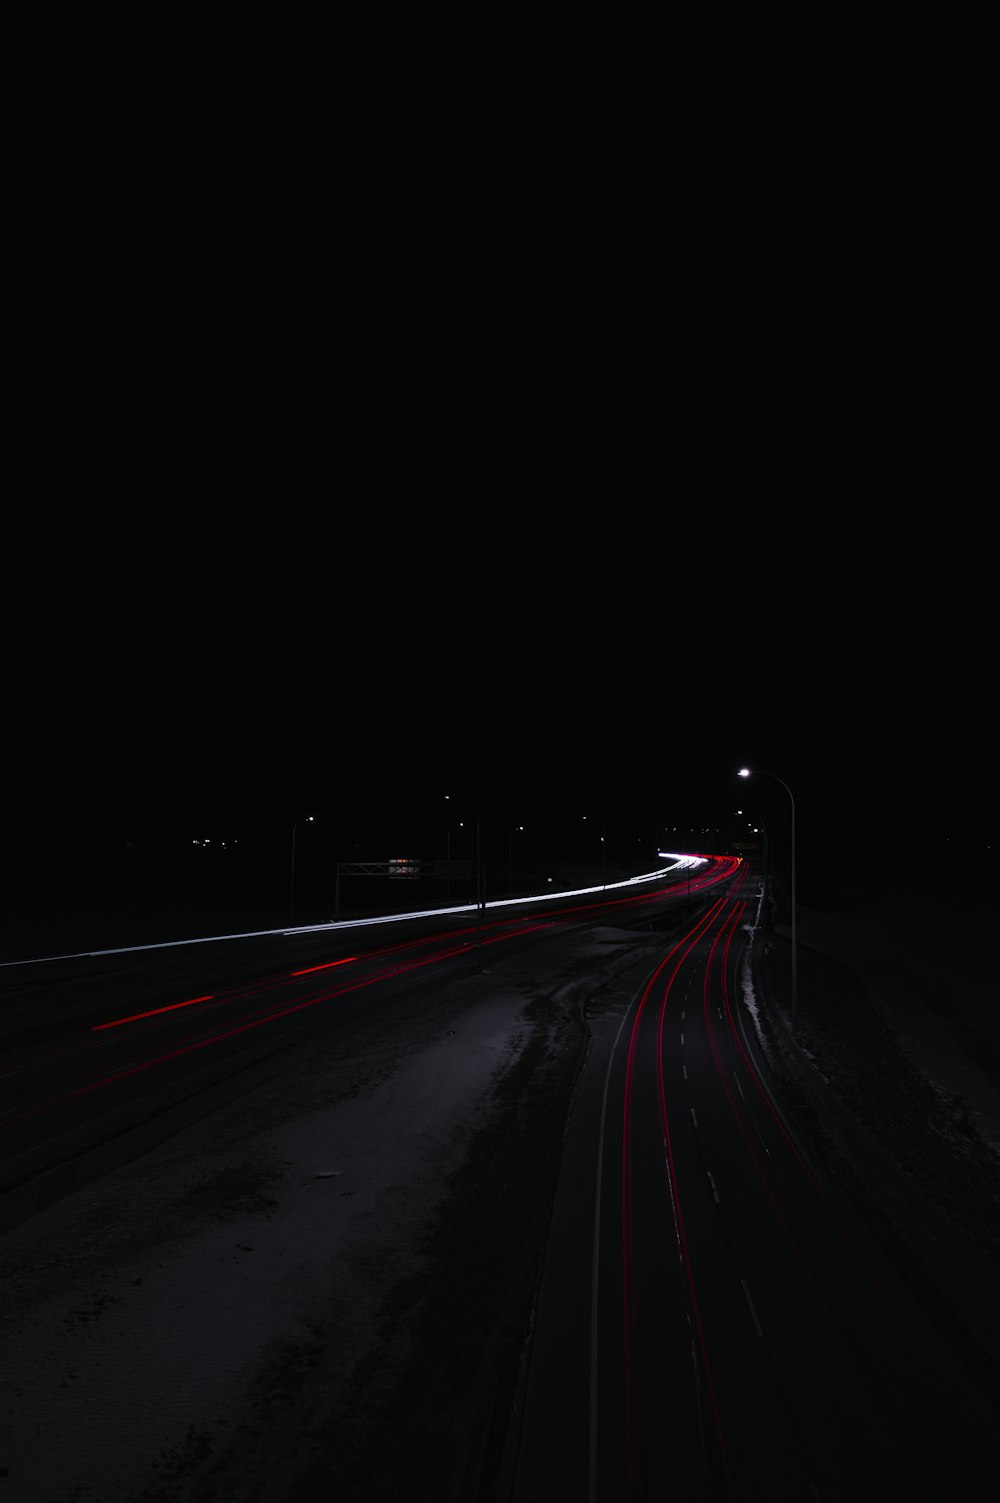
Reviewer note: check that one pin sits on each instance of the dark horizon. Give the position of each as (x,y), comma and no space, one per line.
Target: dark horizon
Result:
(393,457)
(144,892)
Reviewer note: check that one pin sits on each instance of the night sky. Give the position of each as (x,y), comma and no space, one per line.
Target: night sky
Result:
(445,402)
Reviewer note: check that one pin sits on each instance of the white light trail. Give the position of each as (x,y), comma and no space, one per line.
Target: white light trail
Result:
(679,863)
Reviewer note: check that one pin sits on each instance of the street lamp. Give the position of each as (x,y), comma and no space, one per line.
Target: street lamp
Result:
(479,880)
(763,830)
(291,899)
(760,828)
(510,862)
(604,854)
(745,772)
(459,825)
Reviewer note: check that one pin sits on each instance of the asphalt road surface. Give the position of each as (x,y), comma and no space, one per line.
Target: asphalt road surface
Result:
(714,1321)
(107,1051)
(711,1319)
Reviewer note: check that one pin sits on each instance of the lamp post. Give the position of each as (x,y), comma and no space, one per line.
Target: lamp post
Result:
(479,880)
(763,830)
(760,828)
(746,772)
(291,898)
(604,855)
(510,862)
(459,825)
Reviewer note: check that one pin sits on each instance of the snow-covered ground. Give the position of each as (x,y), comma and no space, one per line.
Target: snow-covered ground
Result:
(151,1315)
(933,980)
(187,1323)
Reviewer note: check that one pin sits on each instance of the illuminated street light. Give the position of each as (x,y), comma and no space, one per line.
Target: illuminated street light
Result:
(763,830)
(760,828)
(291,899)
(604,854)
(480,904)
(458,825)
(517,830)
(746,772)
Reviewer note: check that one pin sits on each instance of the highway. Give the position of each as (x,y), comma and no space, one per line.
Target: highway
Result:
(106,1053)
(714,1321)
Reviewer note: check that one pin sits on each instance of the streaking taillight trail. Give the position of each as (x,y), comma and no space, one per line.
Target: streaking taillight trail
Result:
(659,985)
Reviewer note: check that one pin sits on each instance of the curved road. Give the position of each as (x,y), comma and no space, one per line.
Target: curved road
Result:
(713,1321)
(105,1054)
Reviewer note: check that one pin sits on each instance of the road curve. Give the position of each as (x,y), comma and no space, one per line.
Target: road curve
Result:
(713,1321)
(105,1054)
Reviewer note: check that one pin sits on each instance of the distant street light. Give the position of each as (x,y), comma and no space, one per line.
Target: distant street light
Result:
(510,862)
(291,899)
(480,905)
(760,828)
(604,855)
(745,772)
(459,825)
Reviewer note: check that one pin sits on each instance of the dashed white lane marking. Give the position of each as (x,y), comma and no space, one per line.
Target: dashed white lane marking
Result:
(595,1261)
(714,1190)
(694,1119)
(753,1312)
